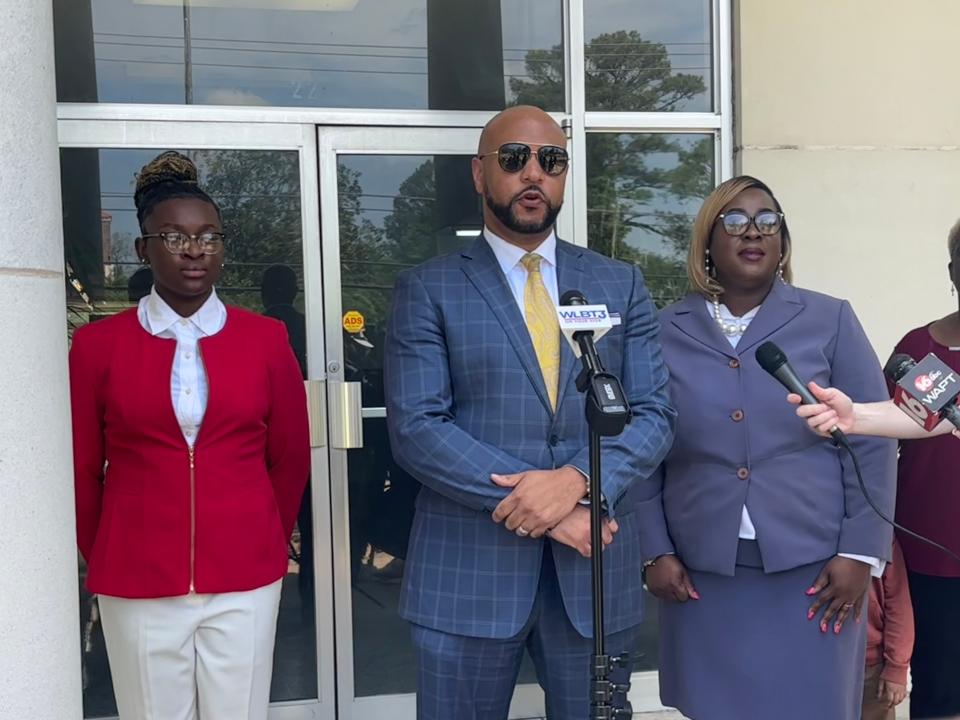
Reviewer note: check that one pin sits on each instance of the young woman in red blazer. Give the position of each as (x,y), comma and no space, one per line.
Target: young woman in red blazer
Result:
(191,453)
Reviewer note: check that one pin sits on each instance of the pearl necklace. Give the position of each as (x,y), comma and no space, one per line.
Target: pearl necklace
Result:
(729,329)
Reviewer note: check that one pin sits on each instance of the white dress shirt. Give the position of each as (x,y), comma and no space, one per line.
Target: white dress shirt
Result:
(747,529)
(509,255)
(188,379)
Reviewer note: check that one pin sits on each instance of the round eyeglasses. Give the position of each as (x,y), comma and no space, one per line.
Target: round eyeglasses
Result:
(210,243)
(737,222)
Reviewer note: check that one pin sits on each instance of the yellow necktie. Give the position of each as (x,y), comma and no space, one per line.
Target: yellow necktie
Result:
(541,316)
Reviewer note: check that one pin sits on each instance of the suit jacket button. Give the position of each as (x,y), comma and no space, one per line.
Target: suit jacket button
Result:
(743,473)
(734,363)
(554,440)
(736,415)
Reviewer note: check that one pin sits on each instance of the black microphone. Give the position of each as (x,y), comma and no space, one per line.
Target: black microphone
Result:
(926,391)
(774,361)
(607,407)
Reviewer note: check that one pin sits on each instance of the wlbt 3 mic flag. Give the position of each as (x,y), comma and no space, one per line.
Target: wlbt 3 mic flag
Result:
(576,316)
(582,325)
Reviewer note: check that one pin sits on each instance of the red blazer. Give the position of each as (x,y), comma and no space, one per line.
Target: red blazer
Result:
(151,519)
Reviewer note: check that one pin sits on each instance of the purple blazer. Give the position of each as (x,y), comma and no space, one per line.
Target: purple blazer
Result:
(738,441)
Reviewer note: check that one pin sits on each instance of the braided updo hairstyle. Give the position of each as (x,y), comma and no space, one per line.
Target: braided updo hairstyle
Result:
(168,176)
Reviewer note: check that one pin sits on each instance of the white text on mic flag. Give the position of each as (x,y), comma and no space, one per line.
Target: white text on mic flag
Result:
(585,318)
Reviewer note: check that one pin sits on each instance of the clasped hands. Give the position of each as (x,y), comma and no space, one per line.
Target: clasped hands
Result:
(546,502)
(839,590)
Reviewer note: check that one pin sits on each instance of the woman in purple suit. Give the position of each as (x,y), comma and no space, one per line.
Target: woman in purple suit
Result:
(760,544)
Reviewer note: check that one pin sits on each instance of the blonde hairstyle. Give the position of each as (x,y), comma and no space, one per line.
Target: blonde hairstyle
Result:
(723,194)
(953,239)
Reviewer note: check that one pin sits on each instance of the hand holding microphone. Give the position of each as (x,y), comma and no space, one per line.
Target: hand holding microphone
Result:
(827,411)
(926,394)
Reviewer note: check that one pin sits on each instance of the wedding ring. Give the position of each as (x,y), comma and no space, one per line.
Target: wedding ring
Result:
(848,605)
(521,532)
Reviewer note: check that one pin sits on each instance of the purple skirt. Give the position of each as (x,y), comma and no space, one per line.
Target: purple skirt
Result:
(746,651)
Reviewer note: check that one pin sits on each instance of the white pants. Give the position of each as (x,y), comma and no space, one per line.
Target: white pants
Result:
(170,657)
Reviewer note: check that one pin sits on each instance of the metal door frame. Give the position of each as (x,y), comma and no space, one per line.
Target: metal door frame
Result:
(333,141)
(318,136)
(161,133)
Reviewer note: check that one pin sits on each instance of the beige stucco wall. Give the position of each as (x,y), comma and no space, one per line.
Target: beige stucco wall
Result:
(850,110)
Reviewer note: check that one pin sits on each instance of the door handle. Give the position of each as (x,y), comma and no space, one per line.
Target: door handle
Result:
(346,415)
(316,411)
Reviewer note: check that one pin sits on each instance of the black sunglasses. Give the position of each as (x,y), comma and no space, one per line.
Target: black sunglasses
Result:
(513,156)
(737,222)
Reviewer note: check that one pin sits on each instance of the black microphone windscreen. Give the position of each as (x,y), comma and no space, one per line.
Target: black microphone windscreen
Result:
(573,297)
(897,366)
(770,357)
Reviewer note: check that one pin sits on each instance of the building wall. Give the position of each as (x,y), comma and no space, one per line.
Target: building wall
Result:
(849,110)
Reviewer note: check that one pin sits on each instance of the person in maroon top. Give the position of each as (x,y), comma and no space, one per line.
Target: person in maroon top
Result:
(889,641)
(928,499)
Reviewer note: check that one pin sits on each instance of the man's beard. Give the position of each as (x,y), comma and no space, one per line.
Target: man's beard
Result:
(508,217)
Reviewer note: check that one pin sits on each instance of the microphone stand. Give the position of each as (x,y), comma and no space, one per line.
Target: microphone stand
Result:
(607,414)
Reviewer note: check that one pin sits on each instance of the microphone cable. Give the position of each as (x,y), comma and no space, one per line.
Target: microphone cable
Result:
(844,442)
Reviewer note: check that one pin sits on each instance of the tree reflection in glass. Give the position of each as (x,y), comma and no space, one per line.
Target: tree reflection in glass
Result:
(642,188)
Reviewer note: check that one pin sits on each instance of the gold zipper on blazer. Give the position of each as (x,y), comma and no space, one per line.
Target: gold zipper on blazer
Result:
(193,519)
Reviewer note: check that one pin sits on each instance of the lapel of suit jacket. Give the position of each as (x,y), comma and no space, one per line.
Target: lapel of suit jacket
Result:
(482,269)
(690,316)
(781,305)
(571,276)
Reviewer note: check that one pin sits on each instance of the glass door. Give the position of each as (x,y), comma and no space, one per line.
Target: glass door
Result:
(391,198)
(264,176)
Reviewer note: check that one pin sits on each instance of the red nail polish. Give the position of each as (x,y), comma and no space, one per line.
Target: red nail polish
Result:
(823,627)
(836,629)
(809,614)
(811,591)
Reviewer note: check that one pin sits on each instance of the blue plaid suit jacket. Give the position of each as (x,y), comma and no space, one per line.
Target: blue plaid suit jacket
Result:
(466,398)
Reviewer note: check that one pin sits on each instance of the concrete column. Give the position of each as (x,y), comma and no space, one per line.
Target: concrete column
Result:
(39,630)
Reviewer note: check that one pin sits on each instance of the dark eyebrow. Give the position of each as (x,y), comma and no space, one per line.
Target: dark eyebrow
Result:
(739,209)
(174,227)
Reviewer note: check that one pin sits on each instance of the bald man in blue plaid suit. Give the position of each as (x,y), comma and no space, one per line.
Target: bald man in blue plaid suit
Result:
(483,410)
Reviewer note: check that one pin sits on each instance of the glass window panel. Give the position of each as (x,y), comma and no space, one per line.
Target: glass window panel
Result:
(259,196)
(643,191)
(425,54)
(396,211)
(649,55)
